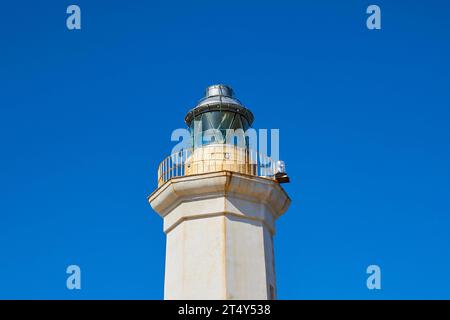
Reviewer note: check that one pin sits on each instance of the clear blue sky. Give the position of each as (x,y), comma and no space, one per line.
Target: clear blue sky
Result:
(86,117)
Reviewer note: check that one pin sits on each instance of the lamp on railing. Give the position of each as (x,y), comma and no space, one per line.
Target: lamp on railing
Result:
(280,172)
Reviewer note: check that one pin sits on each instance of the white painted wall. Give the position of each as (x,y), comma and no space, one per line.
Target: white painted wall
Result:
(220,230)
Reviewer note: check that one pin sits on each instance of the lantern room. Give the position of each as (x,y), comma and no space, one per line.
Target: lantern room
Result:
(219,118)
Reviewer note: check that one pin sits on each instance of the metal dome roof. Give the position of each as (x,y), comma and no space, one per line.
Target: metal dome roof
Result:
(219,97)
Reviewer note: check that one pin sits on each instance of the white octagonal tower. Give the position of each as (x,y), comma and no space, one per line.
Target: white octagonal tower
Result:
(219,202)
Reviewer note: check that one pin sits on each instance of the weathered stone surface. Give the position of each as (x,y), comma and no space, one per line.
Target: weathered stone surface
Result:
(220,229)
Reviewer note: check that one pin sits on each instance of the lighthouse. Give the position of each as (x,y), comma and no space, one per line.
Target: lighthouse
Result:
(219,199)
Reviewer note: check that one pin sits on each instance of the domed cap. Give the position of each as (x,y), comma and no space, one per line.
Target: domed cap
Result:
(219,97)
(219,90)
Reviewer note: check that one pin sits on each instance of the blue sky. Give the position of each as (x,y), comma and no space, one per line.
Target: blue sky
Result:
(86,117)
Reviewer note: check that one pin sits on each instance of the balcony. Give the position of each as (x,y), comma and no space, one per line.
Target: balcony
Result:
(214,158)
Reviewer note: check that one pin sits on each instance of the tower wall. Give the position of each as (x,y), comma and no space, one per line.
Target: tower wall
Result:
(219,230)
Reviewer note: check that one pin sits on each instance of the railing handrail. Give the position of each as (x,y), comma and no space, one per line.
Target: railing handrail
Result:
(241,160)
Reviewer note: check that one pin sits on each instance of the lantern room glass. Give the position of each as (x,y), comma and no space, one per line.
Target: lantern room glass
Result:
(211,127)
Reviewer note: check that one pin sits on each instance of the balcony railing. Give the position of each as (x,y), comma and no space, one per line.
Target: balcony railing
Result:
(214,158)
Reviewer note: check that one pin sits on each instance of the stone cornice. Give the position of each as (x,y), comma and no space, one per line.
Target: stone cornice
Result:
(219,184)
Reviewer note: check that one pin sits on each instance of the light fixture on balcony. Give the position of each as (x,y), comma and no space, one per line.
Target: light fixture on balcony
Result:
(280,172)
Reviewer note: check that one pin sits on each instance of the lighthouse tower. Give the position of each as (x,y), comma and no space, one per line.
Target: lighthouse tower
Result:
(219,200)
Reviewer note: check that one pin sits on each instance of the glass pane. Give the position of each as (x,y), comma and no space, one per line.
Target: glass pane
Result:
(206,121)
(245,123)
(197,131)
(237,124)
(227,118)
(218,120)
